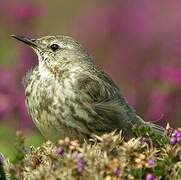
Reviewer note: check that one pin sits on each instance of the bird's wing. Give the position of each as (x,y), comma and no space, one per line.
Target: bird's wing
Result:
(107,102)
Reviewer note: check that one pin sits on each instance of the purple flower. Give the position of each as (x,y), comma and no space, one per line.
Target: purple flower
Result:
(1,158)
(79,163)
(176,133)
(60,151)
(11,92)
(173,140)
(4,104)
(149,176)
(8,92)
(117,172)
(172,75)
(175,137)
(20,13)
(25,12)
(135,51)
(80,166)
(151,162)
(178,139)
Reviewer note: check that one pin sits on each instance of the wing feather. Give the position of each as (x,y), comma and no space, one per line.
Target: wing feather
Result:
(107,102)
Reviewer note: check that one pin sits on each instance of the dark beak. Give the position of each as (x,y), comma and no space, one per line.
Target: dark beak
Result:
(26,40)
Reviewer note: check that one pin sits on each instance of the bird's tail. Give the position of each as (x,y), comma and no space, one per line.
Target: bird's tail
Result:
(154,127)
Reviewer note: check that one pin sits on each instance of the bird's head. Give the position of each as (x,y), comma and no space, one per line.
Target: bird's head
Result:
(56,53)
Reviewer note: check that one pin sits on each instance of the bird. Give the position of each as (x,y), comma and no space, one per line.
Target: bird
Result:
(68,95)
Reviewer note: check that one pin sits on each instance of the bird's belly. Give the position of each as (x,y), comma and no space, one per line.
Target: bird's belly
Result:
(54,111)
(52,124)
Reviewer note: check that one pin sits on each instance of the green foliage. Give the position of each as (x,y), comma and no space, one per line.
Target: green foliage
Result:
(19,149)
(154,138)
(2,173)
(137,173)
(8,141)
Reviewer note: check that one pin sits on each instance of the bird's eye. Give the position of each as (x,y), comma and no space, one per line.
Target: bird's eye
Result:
(54,47)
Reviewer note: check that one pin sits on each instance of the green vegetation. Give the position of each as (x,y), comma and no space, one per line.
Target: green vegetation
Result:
(8,139)
(149,157)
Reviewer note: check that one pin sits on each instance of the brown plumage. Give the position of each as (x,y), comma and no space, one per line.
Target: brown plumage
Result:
(68,95)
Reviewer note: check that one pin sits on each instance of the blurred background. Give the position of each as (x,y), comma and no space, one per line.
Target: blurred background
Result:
(138,43)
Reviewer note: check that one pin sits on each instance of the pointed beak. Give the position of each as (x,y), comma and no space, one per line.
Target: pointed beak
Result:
(26,40)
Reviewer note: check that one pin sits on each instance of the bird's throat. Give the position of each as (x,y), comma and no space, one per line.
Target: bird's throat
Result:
(45,71)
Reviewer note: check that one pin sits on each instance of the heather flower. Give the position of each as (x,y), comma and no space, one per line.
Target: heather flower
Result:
(8,93)
(176,133)
(151,162)
(80,166)
(24,12)
(173,140)
(1,158)
(60,151)
(130,41)
(79,163)
(178,139)
(175,136)
(11,90)
(4,104)
(97,161)
(117,172)
(172,75)
(12,96)
(149,177)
